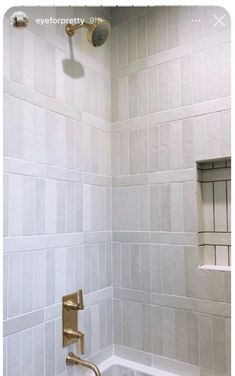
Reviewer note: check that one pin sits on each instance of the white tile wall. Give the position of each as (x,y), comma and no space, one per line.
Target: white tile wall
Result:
(169,108)
(57,163)
(177,122)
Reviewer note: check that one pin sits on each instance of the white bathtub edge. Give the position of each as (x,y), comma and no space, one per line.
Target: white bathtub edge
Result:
(115,360)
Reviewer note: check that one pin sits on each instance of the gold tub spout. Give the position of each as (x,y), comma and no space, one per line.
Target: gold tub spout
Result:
(73,360)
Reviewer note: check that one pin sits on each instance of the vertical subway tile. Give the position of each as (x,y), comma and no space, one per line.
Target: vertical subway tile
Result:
(103,325)
(174,84)
(204,284)
(28,205)
(95,329)
(146,328)
(61,200)
(39,134)
(38,350)
(123,99)
(185,25)
(176,200)
(126,265)
(114,101)
(5,285)
(124,153)
(60,352)
(126,213)
(187,143)
(132,336)
(132,80)
(173,26)
(213,135)
(192,338)
(211,73)
(229,205)
(178,270)
(99,267)
(205,340)
(145,262)
(13,126)
(44,78)
(114,47)
(16,57)
(109,271)
(142,88)
(28,132)
(116,155)
(117,317)
(13,365)
(186,81)
(218,285)
(180,336)
(219,347)
(70,269)
(142,37)
(225,132)
(134,155)
(153,89)
(143,147)
(167,269)
(165,213)
(189,200)
(157,330)
(164,147)
(5,203)
(224,70)
(50,206)
(39,279)
(200,138)
(26,353)
(70,207)
(152,31)
(26,284)
(163,87)
(162,29)
(168,332)
(50,277)
(175,145)
(220,206)
(198,69)
(207,197)
(135,266)
(191,265)
(15,205)
(123,44)
(49,348)
(154,155)
(14,284)
(155,208)
(132,40)
(39,206)
(222,255)
(155,268)
(228,344)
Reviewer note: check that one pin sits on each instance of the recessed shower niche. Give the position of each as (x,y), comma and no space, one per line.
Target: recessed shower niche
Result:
(214,213)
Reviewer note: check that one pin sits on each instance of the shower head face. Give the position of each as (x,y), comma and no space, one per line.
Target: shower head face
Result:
(99,32)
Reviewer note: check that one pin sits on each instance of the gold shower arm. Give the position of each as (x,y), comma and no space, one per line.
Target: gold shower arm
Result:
(73,360)
(70,29)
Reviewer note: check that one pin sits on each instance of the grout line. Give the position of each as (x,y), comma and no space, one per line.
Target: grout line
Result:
(213,198)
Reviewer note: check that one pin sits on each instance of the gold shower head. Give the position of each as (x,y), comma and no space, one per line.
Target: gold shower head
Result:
(97,33)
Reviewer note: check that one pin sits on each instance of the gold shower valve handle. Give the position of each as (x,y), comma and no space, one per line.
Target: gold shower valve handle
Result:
(76,334)
(70,304)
